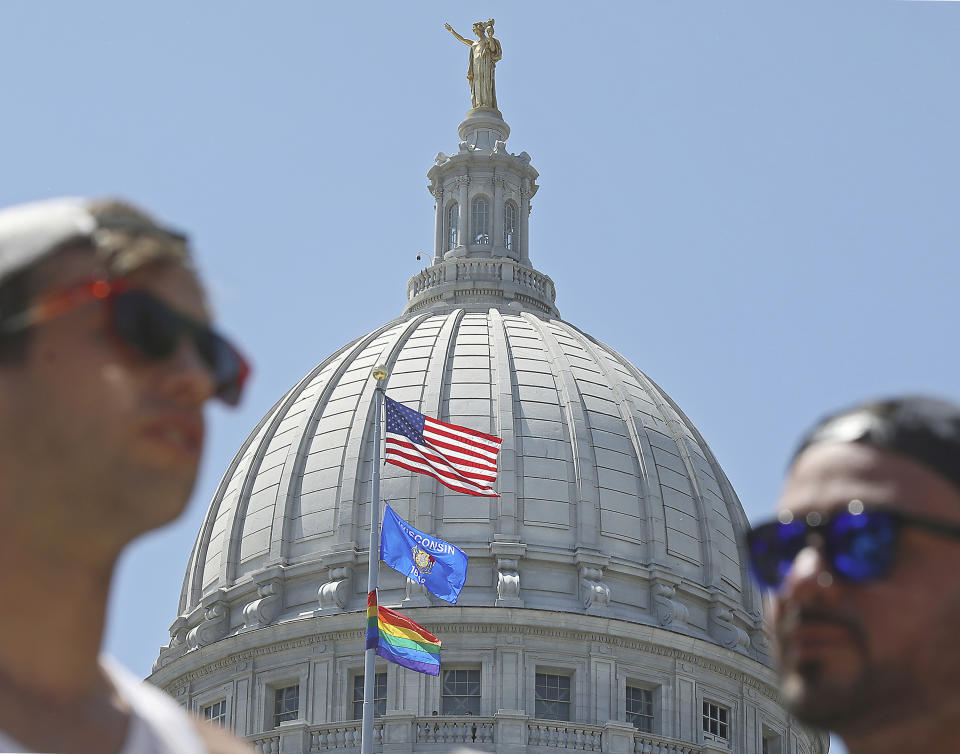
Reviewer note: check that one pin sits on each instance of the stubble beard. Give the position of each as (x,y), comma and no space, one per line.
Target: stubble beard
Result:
(872,699)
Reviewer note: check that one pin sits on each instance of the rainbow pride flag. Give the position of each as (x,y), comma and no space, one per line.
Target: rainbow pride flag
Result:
(400,640)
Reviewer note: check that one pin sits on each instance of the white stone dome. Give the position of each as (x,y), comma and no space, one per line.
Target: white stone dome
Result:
(610,498)
(610,565)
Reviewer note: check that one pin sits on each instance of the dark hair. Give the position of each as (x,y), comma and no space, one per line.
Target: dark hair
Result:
(15,294)
(925,429)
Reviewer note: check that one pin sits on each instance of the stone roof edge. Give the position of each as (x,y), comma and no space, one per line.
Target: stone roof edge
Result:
(531,622)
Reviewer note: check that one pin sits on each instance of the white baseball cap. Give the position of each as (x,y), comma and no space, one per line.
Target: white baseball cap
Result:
(29,232)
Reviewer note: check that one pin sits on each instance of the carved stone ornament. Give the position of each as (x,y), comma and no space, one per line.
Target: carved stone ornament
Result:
(335,592)
(507,551)
(759,638)
(725,631)
(593,589)
(508,580)
(595,592)
(178,631)
(215,622)
(669,611)
(263,610)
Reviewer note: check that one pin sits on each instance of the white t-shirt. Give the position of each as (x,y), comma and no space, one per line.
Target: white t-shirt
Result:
(158,725)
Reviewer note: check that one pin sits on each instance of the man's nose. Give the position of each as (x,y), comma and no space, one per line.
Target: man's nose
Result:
(187,378)
(810,574)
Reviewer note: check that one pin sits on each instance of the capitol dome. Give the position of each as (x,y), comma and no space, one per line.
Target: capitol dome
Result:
(607,604)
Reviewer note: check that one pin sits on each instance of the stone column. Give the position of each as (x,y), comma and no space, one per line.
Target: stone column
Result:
(510,734)
(464,182)
(496,232)
(398,735)
(439,245)
(525,222)
(618,737)
(294,737)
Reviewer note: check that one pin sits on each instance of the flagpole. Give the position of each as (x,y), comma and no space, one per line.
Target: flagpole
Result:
(370,656)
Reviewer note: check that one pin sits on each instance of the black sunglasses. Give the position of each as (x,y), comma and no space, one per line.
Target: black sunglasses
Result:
(859,544)
(148,325)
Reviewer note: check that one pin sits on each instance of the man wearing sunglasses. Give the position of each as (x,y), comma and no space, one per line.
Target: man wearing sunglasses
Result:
(106,360)
(863,567)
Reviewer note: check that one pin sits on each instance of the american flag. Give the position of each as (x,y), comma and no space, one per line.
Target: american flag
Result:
(462,459)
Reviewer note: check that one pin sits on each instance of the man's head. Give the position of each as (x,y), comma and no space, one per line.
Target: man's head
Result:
(106,361)
(863,564)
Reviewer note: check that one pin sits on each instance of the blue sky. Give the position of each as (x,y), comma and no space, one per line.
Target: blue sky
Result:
(755,202)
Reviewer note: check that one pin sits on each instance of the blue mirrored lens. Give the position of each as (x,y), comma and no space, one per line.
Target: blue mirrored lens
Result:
(861,546)
(773,548)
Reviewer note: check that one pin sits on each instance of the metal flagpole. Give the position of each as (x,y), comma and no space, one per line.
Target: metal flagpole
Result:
(370,657)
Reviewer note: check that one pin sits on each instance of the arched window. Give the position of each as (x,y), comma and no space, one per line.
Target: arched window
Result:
(511,232)
(453,222)
(481,221)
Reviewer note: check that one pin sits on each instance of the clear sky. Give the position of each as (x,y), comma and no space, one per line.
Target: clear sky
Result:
(754,202)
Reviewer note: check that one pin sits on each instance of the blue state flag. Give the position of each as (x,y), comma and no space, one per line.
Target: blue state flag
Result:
(440,566)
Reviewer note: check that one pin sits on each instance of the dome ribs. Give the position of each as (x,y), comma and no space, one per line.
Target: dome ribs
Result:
(716,527)
(357,465)
(503,382)
(737,517)
(231,566)
(466,399)
(193,579)
(293,474)
(592,449)
(427,493)
(583,491)
(653,548)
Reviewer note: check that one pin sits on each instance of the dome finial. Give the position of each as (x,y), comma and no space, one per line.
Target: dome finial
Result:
(485,52)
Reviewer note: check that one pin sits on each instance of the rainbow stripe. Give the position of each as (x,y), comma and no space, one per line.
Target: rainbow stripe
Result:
(400,640)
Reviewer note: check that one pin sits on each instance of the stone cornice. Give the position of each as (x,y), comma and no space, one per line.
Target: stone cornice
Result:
(695,652)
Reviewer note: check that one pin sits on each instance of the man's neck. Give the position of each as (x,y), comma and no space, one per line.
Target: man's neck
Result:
(54,696)
(52,627)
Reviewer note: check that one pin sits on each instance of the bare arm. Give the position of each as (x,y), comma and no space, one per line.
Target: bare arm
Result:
(449,28)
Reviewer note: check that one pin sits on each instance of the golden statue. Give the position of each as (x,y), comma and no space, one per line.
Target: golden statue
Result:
(485,51)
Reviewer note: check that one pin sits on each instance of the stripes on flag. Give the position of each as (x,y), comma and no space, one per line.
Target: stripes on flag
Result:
(460,458)
(400,640)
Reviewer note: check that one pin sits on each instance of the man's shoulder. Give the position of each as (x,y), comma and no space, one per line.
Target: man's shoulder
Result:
(167,725)
(219,741)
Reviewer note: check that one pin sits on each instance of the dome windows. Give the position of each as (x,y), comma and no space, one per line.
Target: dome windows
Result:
(511,234)
(480,215)
(453,222)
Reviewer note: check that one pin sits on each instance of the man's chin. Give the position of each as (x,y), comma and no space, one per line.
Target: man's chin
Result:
(820,701)
(156,494)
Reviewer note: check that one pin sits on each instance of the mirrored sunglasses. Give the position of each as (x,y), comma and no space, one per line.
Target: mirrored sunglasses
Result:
(149,326)
(858,544)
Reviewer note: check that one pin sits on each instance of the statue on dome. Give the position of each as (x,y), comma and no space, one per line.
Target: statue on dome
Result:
(485,51)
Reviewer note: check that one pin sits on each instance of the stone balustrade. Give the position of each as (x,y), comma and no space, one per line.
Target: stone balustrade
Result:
(265,744)
(484,277)
(647,743)
(509,731)
(342,736)
(564,735)
(447,729)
